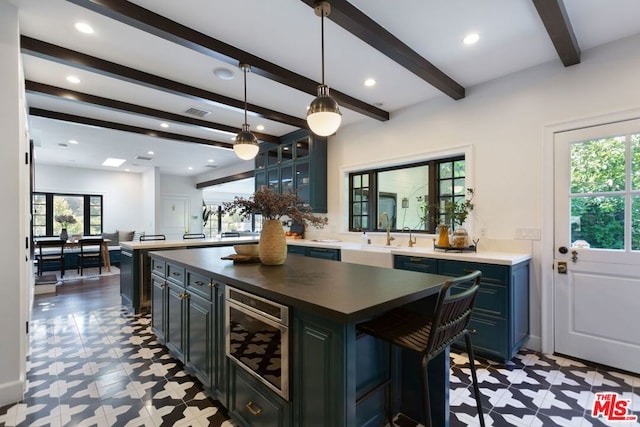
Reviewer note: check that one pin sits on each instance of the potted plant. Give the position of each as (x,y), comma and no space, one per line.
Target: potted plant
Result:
(273,207)
(65,221)
(458,212)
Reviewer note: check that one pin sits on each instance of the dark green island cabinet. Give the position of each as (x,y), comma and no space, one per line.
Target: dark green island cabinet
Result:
(333,371)
(501,313)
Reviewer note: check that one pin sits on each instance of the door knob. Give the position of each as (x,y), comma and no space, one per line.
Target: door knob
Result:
(563,249)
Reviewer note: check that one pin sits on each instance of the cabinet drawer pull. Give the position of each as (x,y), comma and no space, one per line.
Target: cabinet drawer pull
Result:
(175,274)
(415,259)
(158,267)
(212,285)
(255,410)
(163,284)
(183,295)
(199,283)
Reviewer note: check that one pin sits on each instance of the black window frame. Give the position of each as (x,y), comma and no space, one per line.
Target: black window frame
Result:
(86,212)
(434,204)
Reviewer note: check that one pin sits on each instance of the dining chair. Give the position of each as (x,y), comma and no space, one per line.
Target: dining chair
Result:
(50,251)
(430,333)
(193,236)
(90,251)
(146,237)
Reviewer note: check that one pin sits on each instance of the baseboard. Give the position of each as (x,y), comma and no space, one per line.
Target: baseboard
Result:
(12,392)
(534,343)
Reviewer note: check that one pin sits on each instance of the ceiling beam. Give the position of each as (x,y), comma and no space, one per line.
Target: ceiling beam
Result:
(72,58)
(555,20)
(71,118)
(71,95)
(369,31)
(145,20)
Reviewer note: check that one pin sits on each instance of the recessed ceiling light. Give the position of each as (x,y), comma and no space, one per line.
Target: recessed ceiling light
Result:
(84,28)
(471,38)
(190,168)
(369,82)
(73,141)
(73,79)
(259,127)
(223,73)
(164,125)
(113,162)
(151,153)
(127,170)
(210,160)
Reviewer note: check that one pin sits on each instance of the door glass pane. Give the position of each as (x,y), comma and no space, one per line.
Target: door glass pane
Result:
(598,165)
(599,221)
(635,161)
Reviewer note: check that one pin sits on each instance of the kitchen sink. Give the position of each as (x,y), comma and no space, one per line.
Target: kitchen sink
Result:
(374,255)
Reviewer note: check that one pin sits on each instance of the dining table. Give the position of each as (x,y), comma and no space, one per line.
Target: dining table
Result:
(75,243)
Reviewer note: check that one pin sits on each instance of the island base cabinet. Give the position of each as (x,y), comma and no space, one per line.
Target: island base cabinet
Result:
(252,405)
(200,338)
(159,307)
(175,338)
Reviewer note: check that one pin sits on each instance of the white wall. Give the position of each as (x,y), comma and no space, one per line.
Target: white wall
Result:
(184,187)
(122,192)
(150,200)
(503,122)
(13,264)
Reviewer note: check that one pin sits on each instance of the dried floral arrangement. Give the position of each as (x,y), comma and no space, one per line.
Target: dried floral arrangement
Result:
(272,205)
(65,220)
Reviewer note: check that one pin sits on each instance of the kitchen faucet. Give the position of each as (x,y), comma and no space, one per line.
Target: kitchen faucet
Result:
(411,241)
(389,236)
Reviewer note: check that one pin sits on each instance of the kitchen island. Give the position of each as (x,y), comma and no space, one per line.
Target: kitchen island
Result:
(330,373)
(135,287)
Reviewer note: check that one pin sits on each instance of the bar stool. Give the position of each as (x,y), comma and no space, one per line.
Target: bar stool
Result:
(430,334)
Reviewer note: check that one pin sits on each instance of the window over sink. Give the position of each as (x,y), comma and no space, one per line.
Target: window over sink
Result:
(412,195)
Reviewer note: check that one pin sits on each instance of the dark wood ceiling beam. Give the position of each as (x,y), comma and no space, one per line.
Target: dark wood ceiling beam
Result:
(369,31)
(57,92)
(555,20)
(72,58)
(145,20)
(55,115)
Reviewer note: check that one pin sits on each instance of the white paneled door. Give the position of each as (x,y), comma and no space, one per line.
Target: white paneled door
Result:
(597,244)
(174,220)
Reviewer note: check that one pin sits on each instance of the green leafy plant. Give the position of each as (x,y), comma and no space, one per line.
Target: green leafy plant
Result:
(206,213)
(272,205)
(459,211)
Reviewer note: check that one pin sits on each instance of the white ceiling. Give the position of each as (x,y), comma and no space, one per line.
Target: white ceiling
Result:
(285,32)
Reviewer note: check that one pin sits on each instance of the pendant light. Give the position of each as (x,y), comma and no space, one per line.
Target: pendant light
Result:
(246,143)
(324,116)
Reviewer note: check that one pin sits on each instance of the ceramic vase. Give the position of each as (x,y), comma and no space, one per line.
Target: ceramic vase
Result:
(273,243)
(64,235)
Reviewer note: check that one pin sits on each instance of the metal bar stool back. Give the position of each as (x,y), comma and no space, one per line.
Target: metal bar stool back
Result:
(429,335)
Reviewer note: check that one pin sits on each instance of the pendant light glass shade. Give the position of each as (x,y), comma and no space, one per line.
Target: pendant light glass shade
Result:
(323,116)
(246,144)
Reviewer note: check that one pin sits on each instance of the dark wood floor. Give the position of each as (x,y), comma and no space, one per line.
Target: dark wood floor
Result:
(82,295)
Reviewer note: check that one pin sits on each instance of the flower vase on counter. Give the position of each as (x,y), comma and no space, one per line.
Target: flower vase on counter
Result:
(443,236)
(64,235)
(273,243)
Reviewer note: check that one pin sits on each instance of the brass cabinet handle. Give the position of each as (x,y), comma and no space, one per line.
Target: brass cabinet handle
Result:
(198,282)
(158,267)
(416,259)
(163,284)
(212,285)
(183,295)
(175,273)
(254,410)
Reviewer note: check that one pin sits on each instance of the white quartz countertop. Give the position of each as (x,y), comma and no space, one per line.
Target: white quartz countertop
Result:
(490,257)
(184,243)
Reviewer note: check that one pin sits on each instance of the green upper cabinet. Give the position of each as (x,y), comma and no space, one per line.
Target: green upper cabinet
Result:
(298,164)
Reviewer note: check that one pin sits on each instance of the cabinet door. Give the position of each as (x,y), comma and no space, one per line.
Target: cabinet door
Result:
(127,293)
(302,184)
(324,253)
(286,178)
(200,338)
(175,318)
(260,180)
(158,307)
(273,180)
(221,380)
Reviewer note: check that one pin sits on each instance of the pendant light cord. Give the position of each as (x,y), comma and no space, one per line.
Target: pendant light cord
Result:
(245,92)
(322,42)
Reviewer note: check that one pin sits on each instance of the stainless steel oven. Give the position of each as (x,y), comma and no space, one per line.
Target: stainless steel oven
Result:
(257,338)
